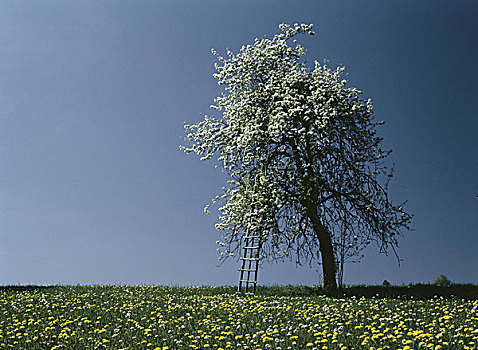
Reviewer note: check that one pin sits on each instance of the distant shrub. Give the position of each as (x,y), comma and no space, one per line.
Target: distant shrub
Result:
(386,283)
(442,281)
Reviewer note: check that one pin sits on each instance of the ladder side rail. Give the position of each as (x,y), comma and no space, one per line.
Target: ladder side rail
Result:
(251,255)
(259,245)
(243,266)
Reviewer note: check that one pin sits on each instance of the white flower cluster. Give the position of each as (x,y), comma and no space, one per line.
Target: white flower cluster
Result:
(297,144)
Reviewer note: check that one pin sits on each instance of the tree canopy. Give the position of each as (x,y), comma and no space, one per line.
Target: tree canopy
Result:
(300,148)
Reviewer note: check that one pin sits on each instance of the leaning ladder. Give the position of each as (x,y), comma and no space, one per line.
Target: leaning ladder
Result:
(250,264)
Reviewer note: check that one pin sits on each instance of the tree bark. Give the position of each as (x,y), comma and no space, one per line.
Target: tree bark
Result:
(323,235)
(328,262)
(327,252)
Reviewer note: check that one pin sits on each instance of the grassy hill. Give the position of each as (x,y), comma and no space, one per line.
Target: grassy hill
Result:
(278,317)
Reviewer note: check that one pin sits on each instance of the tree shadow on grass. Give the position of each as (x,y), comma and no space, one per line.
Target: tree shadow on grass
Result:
(415,291)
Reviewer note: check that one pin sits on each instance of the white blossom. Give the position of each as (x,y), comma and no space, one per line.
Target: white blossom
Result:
(301,153)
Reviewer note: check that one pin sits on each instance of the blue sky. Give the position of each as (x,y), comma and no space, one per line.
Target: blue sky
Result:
(94,95)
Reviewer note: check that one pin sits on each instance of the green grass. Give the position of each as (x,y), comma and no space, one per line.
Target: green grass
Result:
(150,317)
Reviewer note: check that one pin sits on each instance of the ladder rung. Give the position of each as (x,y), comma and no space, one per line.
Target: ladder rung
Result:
(246,281)
(250,270)
(251,247)
(246,237)
(249,258)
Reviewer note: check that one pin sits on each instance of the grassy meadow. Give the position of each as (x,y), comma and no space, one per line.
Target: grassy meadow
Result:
(156,317)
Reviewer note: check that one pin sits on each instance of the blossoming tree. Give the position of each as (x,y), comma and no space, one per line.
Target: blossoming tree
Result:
(306,171)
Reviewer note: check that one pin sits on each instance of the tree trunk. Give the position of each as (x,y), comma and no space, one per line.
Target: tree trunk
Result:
(328,262)
(327,253)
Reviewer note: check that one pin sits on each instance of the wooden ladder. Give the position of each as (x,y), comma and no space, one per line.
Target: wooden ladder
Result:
(250,264)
